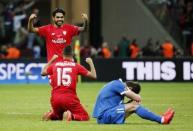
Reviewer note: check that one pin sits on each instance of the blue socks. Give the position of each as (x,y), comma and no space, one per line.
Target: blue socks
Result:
(146,114)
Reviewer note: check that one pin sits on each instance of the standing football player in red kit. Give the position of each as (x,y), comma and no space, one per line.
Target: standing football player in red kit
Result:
(64,100)
(57,35)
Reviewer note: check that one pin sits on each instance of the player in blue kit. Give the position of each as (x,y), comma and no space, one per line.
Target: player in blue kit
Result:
(110,109)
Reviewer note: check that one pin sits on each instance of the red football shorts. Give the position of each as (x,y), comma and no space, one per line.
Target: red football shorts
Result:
(63,102)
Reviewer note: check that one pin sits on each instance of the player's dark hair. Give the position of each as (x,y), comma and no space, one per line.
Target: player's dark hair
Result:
(58,10)
(68,51)
(134,86)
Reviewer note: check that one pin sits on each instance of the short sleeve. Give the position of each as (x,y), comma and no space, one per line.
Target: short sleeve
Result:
(43,30)
(119,87)
(82,70)
(74,30)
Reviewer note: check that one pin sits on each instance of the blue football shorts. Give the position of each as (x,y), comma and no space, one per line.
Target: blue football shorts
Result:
(115,115)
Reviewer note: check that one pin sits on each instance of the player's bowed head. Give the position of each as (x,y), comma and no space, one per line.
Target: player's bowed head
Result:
(132,91)
(134,86)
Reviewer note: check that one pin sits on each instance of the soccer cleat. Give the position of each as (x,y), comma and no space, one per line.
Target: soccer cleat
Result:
(68,115)
(168,110)
(168,115)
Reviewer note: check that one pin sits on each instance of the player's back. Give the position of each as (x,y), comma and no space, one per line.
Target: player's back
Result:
(64,76)
(109,96)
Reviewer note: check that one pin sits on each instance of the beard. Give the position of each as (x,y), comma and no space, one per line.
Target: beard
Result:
(59,23)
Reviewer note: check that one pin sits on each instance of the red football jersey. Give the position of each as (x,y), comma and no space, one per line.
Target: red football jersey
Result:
(64,75)
(57,38)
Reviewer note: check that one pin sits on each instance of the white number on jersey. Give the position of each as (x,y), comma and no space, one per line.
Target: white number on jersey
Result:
(63,77)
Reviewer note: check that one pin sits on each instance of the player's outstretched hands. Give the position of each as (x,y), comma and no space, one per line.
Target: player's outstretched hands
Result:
(32,16)
(84,16)
(89,60)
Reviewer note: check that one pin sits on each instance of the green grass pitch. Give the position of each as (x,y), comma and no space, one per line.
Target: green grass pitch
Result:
(22,105)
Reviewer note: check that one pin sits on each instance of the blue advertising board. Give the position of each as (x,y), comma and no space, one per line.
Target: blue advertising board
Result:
(21,71)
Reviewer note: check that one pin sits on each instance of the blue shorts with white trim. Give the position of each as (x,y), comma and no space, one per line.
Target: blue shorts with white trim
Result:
(115,115)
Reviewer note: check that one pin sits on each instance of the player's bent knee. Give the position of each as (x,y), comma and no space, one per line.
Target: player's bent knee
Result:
(78,117)
(131,107)
(86,118)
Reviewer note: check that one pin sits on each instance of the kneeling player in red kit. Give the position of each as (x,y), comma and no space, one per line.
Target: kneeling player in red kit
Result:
(64,100)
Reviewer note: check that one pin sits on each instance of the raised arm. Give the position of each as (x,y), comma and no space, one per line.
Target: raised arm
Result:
(31,27)
(44,70)
(92,72)
(85,22)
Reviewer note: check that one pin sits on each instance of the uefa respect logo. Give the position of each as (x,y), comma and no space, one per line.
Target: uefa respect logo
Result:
(21,71)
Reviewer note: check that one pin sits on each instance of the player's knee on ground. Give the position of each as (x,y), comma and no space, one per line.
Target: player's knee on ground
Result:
(79,113)
(86,117)
(131,107)
(81,117)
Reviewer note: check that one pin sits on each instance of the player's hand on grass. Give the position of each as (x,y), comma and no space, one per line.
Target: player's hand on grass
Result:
(84,16)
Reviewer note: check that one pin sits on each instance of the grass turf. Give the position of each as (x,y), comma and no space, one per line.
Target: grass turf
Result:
(22,105)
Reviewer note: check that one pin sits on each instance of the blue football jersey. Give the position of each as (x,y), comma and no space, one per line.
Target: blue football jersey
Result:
(109,96)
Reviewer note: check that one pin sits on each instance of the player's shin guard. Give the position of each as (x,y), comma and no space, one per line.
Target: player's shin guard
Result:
(148,115)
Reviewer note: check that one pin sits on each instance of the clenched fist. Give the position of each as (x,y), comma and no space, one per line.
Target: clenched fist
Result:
(89,60)
(32,16)
(84,16)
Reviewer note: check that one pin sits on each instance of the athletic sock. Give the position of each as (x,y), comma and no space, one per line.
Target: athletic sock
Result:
(146,114)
